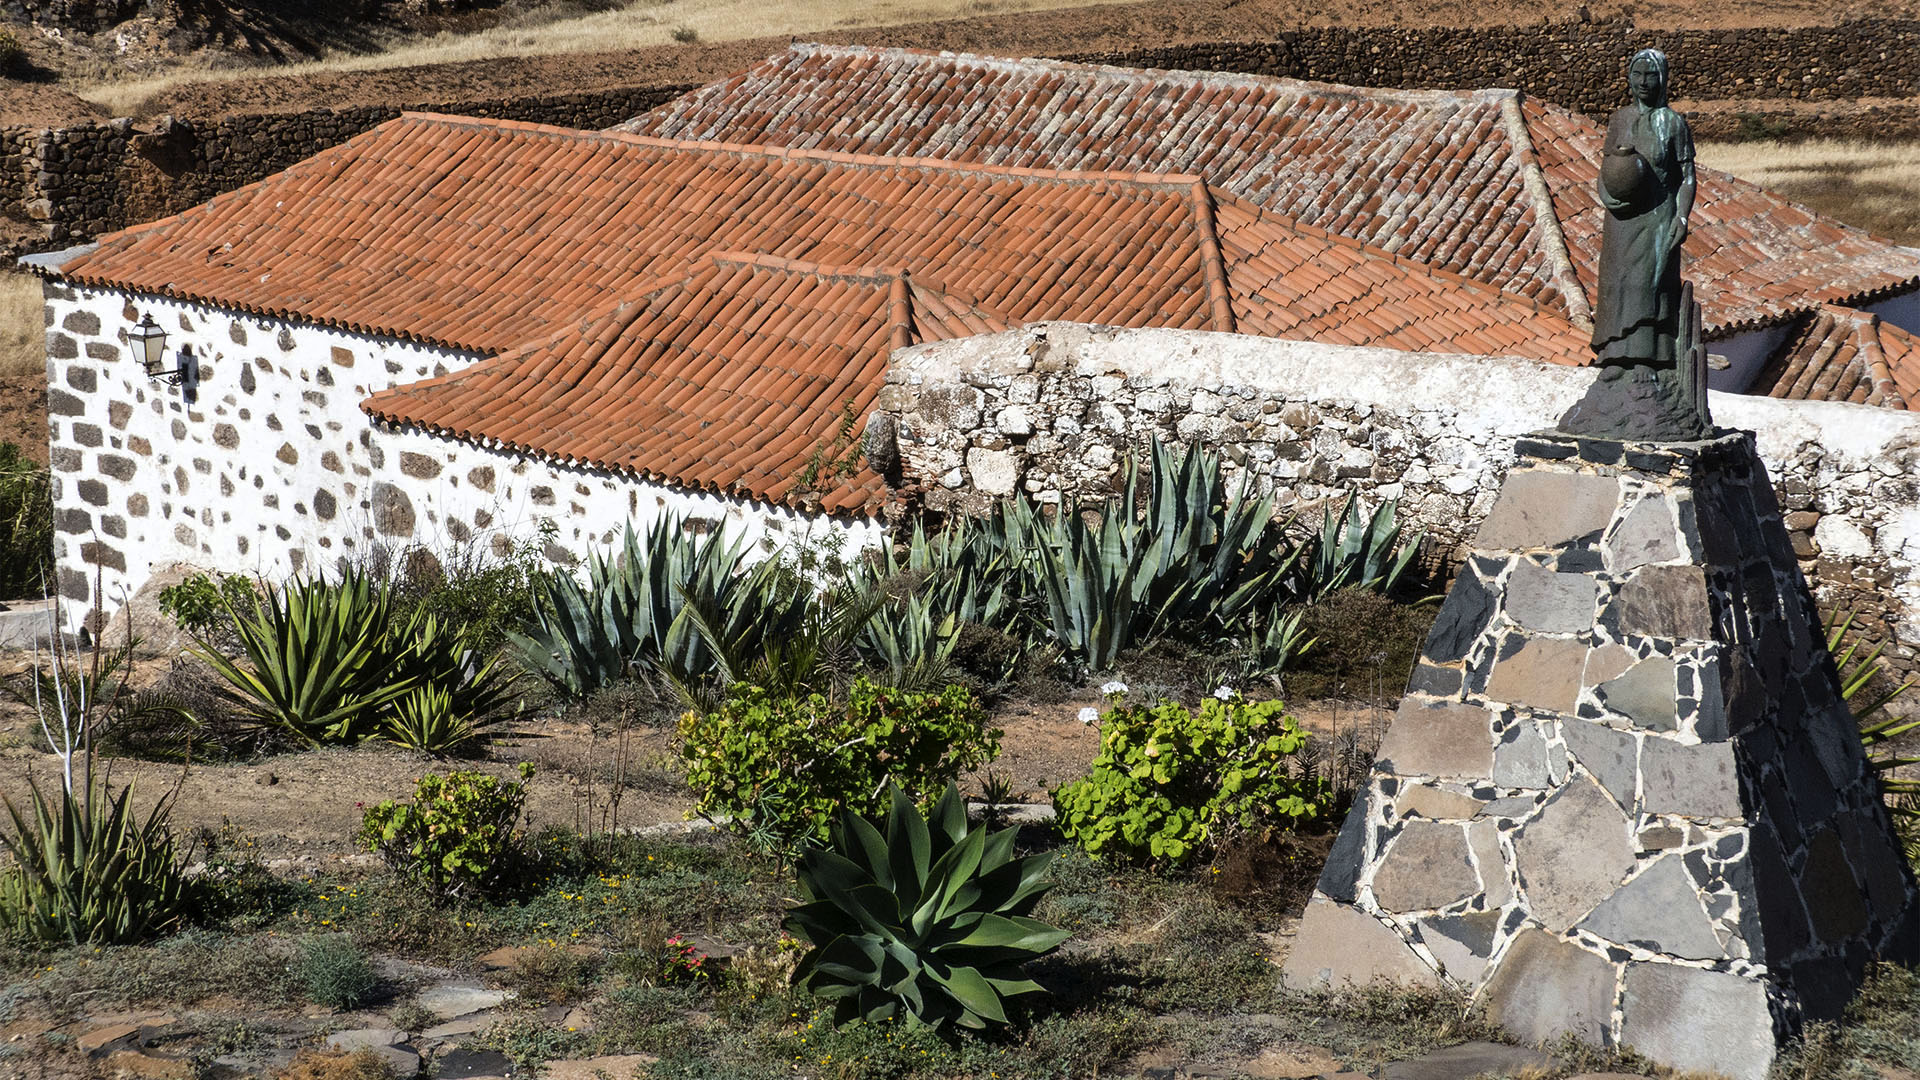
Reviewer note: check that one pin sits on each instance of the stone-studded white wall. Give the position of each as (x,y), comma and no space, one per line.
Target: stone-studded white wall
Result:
(272,468)
(1050,410)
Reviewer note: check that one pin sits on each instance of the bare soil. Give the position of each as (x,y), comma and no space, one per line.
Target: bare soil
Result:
(1088,29)
(23,414)
(305,807)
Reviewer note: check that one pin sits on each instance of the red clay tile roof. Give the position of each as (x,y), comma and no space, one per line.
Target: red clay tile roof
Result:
(1481,183)
(732,379)
(495,236)
(1841,354)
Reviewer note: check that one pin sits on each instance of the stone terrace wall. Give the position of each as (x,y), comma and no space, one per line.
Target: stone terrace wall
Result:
(1050,411)
(78,182)
(1568,63)
(81,182)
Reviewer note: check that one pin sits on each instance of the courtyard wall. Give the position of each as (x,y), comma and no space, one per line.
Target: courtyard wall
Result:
(1051,410)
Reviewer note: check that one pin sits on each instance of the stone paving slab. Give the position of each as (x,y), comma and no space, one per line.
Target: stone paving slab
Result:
(1469,1060)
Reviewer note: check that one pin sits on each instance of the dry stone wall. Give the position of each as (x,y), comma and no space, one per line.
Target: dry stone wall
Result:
(268,466)
(74,183)
(1051,410)
(1568,63)
(84,181)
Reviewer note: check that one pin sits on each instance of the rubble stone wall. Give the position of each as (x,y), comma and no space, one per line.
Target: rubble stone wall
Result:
(270,467)
(1051,410)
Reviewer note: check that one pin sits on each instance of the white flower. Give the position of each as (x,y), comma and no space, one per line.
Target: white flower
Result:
(1089,714)
(1224,693)
(1114,687)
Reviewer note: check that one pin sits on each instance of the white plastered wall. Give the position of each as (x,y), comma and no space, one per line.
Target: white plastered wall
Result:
(273,469)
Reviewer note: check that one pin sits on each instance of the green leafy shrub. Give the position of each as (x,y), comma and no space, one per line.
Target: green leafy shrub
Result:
(335,972)
(1168,782)
(198,600)
(779,767)
(456,839)
(921,918)
(26,515)
(87,870)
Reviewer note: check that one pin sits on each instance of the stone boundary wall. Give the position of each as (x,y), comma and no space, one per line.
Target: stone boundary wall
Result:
(75,183)
(1565,62)
(1051,410)
(80,182)
(271,468)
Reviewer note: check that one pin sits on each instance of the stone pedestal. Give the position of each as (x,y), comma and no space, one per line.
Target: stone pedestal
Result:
(1623,797)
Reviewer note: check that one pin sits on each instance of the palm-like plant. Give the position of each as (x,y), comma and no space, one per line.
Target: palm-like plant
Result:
(925,919)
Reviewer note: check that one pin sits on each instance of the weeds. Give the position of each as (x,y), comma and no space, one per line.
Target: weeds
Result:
(335,972)
(26,525)
(23,339)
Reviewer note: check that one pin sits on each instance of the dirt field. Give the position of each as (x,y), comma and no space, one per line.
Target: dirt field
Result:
(306,806)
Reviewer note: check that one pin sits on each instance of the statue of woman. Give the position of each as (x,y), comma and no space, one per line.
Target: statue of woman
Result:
(1648,386)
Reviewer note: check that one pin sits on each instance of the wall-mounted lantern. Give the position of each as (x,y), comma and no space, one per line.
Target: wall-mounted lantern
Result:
(150,342)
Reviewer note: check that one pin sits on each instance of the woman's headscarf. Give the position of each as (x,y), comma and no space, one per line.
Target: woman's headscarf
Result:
(1659,61)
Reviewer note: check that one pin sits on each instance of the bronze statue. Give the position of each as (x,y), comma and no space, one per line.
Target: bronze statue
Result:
(1652,379)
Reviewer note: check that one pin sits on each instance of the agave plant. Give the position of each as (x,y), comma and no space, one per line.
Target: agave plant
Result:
(627,618)
(1357,550)
(1877,731)
(458,694)
(320,658)
(923,918)
(1219,559)
(88,870)
(1087,575)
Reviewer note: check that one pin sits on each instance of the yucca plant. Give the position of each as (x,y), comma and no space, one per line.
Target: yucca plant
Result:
(924,919)
(320,654)
(88,870)
(1355,549)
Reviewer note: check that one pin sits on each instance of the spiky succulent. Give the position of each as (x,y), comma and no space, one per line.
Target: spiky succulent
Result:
(926,921)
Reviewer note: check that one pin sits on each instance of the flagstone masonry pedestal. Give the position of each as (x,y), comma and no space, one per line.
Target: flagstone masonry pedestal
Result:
(1623,797)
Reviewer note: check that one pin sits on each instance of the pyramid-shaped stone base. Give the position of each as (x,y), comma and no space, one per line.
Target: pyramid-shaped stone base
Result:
(1623,797)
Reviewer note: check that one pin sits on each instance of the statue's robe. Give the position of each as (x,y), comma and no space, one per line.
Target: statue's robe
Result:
(1636,315)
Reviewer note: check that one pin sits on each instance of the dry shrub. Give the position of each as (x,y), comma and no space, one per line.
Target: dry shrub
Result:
(327,1065)
(23,339)
(1870,185)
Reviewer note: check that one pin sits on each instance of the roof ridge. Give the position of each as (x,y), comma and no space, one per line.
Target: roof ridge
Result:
(876,274)
(1553,238)
(1178,181)
(1213,267)
(1137,74)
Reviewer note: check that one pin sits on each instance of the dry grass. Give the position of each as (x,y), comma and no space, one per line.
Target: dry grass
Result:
(23,347)
(1875,186)
(636,25)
